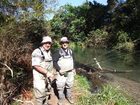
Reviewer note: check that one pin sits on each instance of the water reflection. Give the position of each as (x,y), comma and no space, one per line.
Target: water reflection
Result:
(111,59)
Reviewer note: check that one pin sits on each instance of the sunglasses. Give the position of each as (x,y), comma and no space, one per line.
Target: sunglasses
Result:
(64,42)
(47,43)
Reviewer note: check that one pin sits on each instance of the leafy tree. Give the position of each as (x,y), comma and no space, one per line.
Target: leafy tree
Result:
(21,29)
(111,5)
(67,23)
(98,38)
(77,22)
(125,17)
(26,9)
(95,16)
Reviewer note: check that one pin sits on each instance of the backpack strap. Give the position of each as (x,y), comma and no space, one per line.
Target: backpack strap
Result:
(43,57)
(62,52)
(70,51)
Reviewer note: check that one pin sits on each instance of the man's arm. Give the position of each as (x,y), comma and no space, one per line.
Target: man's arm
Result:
(42,71)
(36,59)
(56,57)
(73,59)
(74,70)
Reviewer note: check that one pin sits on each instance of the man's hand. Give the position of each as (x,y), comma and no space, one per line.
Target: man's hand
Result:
(49,75)
(61,73)
(74,71)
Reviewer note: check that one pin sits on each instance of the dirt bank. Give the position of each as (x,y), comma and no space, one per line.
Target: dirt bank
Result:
(129,87)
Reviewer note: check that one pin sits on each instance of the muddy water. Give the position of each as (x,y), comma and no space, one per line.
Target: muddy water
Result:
(113,60)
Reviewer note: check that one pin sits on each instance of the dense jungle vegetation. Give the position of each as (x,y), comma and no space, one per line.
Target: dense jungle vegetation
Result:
(23,23)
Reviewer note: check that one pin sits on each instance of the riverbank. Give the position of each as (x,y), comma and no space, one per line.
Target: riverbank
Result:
(101,91)
(115,91)
(131,88)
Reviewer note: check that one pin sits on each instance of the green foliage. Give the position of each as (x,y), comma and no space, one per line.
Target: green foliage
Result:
(127,46)
(95,14)
(122,37)
(2,19)
(78,22)
(82,83)
(34,31)
(15,103)
(24,10)
(124,43)
(67,23)
(17,41)
(126,18)
(21,39)
(97,24)
(97,38)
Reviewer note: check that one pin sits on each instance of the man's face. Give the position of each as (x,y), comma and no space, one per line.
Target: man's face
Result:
(47,45)
(65,45)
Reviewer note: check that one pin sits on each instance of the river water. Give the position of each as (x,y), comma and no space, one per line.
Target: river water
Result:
(111,59)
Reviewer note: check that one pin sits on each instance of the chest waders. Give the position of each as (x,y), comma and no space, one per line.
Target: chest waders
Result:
(49,69)
(65,62)
(65,80)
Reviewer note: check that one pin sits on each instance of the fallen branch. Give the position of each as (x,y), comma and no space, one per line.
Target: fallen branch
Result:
(92,69)
(108,70)
(98,64)
(116,71)
(11,71)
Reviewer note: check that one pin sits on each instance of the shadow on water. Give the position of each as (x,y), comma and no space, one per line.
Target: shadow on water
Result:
(111,59)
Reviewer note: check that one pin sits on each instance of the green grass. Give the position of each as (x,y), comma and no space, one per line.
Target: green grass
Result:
(82,82)
(15,103)
(107,96)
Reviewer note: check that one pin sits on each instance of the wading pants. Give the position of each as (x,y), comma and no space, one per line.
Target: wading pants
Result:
(65,81)
(40,92)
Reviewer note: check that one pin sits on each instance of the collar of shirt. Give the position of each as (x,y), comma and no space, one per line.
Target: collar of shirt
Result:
(43,50)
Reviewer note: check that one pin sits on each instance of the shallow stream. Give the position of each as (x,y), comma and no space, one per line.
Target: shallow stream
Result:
(113,60)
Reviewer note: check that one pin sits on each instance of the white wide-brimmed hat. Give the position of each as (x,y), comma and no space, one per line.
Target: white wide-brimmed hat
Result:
(46,39)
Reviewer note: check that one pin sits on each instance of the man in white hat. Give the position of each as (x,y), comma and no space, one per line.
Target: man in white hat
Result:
(42,69)
(64,64)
